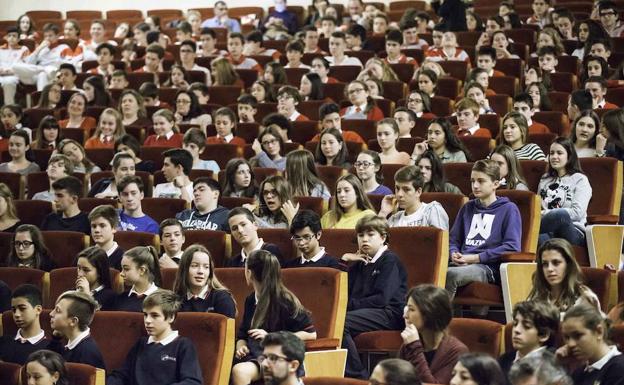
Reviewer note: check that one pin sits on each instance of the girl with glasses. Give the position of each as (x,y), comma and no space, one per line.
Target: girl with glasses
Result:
(29,250)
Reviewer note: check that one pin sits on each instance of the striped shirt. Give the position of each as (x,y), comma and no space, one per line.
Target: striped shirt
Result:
(530,151)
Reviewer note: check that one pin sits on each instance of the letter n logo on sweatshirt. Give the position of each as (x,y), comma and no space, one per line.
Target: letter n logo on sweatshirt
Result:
(481,226)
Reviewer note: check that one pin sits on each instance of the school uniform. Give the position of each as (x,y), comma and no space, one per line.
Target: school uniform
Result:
(231,139)
(56,222)
(239,260)
(82,350)
(322,259)
(100,142)
(211,301)
(246,63)
(131,300)
(377,292)
(508,359)
(171,139)
(16,349)
(170,361)
(537,128)
(608,370)
(606,105)
(476,131)
(105,296)
(115,253)
(355,112)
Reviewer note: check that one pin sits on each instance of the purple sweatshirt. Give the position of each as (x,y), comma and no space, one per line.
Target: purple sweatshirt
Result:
(488,231)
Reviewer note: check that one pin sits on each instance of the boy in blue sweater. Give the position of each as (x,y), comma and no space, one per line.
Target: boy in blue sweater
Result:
(162,358)
(131,217)
(486,228)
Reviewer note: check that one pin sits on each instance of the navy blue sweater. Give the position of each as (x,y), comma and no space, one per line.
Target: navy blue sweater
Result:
(114,260)
(325,261)
(106,298)
(154,364)
(17,352)
(86,352)
(379,285)
(218,301)
(132,303)
(610,374)
(237,261)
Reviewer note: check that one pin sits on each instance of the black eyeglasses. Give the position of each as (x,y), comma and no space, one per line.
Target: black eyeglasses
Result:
(272,358)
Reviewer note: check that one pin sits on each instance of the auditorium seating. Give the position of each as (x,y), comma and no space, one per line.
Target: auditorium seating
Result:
(64,246)
(219,243)
(64,279)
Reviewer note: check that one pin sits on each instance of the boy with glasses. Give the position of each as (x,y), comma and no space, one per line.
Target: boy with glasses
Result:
(609,18)
(188,53)
(305,231)
(288,98)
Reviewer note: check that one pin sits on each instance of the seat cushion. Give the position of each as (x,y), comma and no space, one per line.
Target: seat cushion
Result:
(479,293)
(379,341)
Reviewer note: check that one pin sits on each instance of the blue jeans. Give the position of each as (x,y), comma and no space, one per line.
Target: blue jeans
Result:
(458,276)
(558,224)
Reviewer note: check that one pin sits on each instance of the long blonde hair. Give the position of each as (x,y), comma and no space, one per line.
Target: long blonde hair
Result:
(5,192)
(119,127)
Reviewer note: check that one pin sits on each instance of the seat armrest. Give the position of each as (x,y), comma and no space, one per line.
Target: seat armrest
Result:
(518,257)
(605,219)
(322,344)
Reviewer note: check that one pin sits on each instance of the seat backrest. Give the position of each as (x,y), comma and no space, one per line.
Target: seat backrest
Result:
(15,276)
(217,242)
(14,182)
(516,283)
(452,203)
(605,177)
(529,205)
(127,327)
(64,279)
(330,284)
(213,336)
(64,246)
(337,242)
(459,175)
(10,373)
(234,279)
(616,333)
(130,239)
(599,280)
(162,208)
(32,212)
(532,170)
(424,252)
(479,335)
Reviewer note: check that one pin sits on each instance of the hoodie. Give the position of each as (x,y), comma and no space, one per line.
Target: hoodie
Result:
(216,219)
(488,231)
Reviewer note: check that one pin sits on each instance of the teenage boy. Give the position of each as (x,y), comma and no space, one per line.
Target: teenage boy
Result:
(26,307)
(154,55)
(59,166)
(394,40)
(601,48)
(486,59)
(408,187)
(151,97)
(123,165)
(337,48)
(221,19)
(486,228)
(305,231)
(579,101)
(377,289)
(105,54)
(66,77)
(247,108)
(172,240)
(206,213)
(547,59)
(380,24)
(282,122)
(194,141)
(119,80)
(208,43)
(104,222)
(288,97)
(535,327)
(188,53)
(467,111)
(329,115)
(244,230)
(406,120)
(523,103)
(201,91)
(253,46)
(541,8)
(184,31)
(283,354)
(597,86)
(11,53)
(70,319)
(608,13)
(97,34)
(176,168)
(294,53)
(355,36)
(235,55)
(311,39)
(411,40)
(436,39)
(68,217)
(449,50)
(163,357)
(131,217)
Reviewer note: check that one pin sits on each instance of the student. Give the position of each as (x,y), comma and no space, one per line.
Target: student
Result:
(194,141)
(443,141)
(377,288)
(609,18)
(547,59)
(70,319)
(26,308)
(585,333)
(409,184)
(362,105)
(172,240)
(244,230)
(47,135)
(281,122)
(176,169)
(188,53)
(406,120)
(104,223)
(123,165)
(46,368)
(109,129)
(11,53)
(221,19)
(597,86)
(585,135)
(274,74)
(235,56)
(224,72)
(426,342)
(118,80)
(467,112)
(329,116)
(579,101)
(288,98)
(94,278)
(131,216)
(477,368)
(28,249)
(59,166)
(449,50)
(239,179)
(368,170)
(76,114)
(523,103)
(163,357)
(486,228)
(96,93)
(294,53)
(328,26)
(151,97)
(541,10)
(419,102)
(432,171)
(486,59)
(68,216)
(515,134)
(302,176)
(189,111)
(394,41)
(311,40)
(331,149)
(165,131)
(154,55)
(8,214)
(262,272)
(247,108)
(275,208)
(198,286)
(601,47)
(510,168)
(337,48)
(350,204)
(535,327)
(225,124)
(206,213)
(306,233)
(141,272)
(19,144)
(387,138)
(565,193)
(268,148)
(320,66)
(394,371)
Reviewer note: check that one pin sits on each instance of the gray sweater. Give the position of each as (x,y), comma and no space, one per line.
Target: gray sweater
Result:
(570,192)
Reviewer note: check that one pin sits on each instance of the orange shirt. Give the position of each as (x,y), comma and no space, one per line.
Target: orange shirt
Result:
(161,141)
(94,142)
(237,140)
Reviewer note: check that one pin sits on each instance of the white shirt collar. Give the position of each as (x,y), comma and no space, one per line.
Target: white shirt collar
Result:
(537,351)
(315,258)
(32,340)
(177,257)
(152,288)
(381,250)
(110,251)
(598,365)
(257,247)
(419,114)
(167,135)
(104,138)
(165,341)
(228,138)
(72,344)
(293,117)
(97,289)
(474,129)
(601,104)
(202,294)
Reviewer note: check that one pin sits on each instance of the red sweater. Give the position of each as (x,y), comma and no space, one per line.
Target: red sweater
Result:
(237,140)
(443,361)
(155,141)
